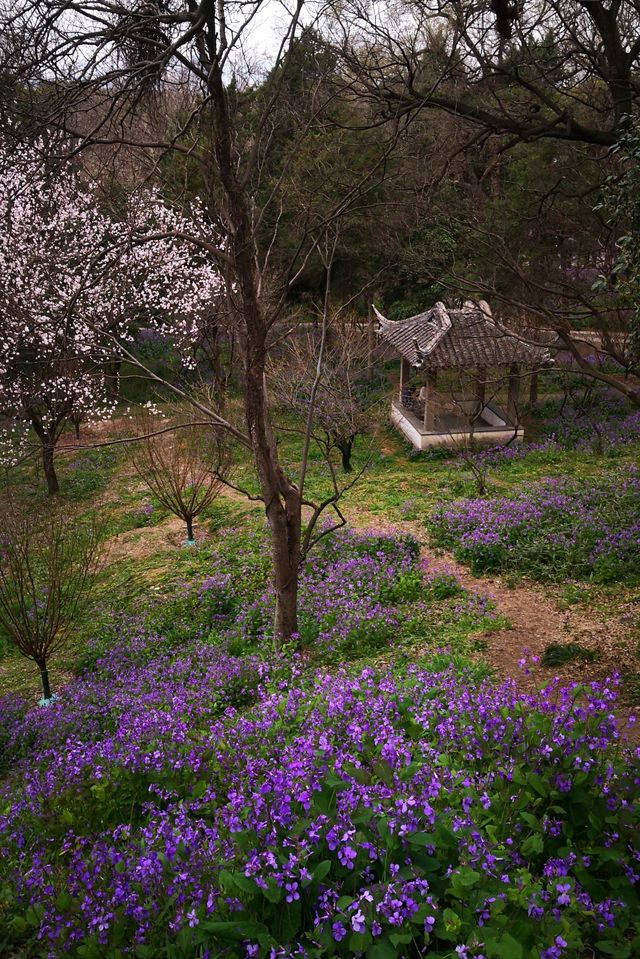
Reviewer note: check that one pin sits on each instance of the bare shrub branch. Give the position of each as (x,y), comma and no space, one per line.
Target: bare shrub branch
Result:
(47,571)
(185,469)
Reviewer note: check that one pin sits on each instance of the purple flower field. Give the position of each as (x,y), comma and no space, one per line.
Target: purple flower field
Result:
(183,800)
(558,527)
(600,434)
(423,811)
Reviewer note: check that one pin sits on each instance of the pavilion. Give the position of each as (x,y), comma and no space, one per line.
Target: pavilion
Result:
(466,347)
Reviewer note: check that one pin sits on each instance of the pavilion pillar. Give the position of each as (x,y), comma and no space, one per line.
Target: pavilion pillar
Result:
(481,389)
(371,342)
(404,378)
(513,393)
(429,401)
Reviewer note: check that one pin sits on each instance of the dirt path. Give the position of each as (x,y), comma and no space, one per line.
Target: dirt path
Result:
(536,621)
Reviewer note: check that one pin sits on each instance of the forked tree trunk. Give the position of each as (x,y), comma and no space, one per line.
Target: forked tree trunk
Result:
(281,496)
(53,487)
(346,449)
(48,441)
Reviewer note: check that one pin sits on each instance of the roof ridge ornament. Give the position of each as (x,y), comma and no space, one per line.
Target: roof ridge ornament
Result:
(436,319)
(383,321)
(458,338)
(421,356)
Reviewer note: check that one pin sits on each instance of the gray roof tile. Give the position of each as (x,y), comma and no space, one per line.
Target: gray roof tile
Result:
(443,338)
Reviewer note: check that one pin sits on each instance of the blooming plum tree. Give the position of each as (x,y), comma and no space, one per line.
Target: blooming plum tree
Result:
(73,281)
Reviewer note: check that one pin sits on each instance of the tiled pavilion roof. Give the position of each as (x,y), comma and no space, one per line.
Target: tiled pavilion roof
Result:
(443,339)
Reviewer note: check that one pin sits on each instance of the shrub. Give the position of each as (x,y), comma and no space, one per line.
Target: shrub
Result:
(557,654)
(48,569)
(604,431)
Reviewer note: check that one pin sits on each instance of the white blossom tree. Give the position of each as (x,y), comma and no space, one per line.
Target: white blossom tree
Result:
(73,280)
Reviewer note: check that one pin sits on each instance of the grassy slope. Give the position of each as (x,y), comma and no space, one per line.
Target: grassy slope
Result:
(396,487)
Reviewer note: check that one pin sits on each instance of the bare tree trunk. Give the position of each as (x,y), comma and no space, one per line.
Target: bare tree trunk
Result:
(217,367)
(286,538)
(190,528)
(112,373)
(282,498)
(371,342)
(346,448)
(47,439)
(53,487)
(44,677)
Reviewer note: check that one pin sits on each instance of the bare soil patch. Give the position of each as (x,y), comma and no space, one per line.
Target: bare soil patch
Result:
(536,621)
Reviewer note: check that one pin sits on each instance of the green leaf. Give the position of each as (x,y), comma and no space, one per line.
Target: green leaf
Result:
(381,950)
(19,924)
(321,870)
(358,941)
(445,838)
(232,930)
(463,881)
(225,879)
(244,883)
(530,820)
(200,788)
(63,901)
(506,947)
(533,844)
(619,950)
(382,771)
(449,925)
(400,938)
(468,877)
(145,952)
(273,892)
(420,839)
(34,914)
(538,784)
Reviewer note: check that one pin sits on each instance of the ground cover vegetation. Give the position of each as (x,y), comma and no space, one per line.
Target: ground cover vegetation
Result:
(381,807)
(557,528)
(377,809)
